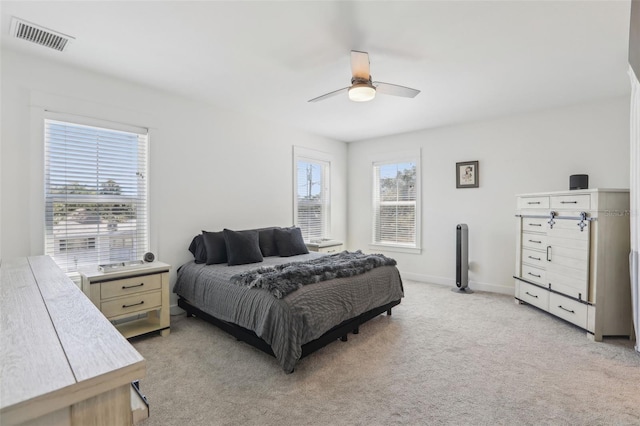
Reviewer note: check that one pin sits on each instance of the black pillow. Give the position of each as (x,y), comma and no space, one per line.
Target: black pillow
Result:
(215,246)
(290,242)
(242,247)
(267,242)
(198,249)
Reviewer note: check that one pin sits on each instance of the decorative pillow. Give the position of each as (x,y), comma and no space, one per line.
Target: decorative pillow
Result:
(198,249)
(215,247)
(242,247)
(290,242)
(267,242)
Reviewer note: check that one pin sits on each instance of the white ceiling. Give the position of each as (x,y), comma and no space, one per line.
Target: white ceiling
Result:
(471,59)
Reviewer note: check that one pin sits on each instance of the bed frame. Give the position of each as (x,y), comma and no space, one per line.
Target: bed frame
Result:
(340,331)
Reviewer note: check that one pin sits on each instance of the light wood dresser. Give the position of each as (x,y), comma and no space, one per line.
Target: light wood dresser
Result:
(136,300)
(63,362)
(572,258)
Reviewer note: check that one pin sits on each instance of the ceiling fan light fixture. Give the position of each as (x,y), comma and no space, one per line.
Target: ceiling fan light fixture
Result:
(362,92)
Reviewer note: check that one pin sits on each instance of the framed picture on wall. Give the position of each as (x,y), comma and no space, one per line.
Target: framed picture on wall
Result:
(467,174)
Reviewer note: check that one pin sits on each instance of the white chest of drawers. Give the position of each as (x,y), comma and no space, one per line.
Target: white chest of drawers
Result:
(135,300)
(572,258)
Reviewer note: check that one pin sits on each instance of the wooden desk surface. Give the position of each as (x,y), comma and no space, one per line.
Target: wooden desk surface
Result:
(56,347)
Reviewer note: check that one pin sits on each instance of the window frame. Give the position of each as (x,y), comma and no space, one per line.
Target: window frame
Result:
(413,156)
(324,160)
(141,244)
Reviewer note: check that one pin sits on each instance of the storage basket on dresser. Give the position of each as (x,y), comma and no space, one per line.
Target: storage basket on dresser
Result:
(572,258)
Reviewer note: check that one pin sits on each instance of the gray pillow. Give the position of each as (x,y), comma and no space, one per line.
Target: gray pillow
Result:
(267,242)
(290,242)
(198,249)
(216,248)
(242,247)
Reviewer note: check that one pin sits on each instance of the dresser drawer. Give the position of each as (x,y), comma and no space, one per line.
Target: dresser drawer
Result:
(572,202)
(535,275)
(534,224)
(137,302)
(533,295)
(131,285)
(569,310)
(534,241)
(533,203)
(533,258)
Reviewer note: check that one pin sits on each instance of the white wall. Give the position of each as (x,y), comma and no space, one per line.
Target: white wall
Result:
(213,168)
(209,167)
(529,153)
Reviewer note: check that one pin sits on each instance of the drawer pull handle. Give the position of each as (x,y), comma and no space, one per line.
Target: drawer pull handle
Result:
(124,287)
(549,253)
(533,202)
(568,202)
(535,241)
(535,224)
(565,309)
(533,275)
(134,304)
(534,258)
(532,295)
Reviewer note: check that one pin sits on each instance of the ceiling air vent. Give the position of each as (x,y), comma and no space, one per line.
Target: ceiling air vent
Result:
(40,35)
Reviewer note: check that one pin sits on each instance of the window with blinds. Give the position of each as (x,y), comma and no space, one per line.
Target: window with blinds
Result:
(312,198)
(95,193)
(395,204)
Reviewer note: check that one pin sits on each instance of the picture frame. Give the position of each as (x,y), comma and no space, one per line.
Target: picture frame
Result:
(467,174)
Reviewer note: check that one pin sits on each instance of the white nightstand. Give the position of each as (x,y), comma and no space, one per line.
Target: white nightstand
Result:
(135,299)
(326,246)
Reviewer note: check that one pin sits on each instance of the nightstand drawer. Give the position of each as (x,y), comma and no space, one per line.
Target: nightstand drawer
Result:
(133,303)
(330,249)
(131,285)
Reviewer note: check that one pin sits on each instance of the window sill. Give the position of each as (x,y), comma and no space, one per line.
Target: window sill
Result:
(393,248)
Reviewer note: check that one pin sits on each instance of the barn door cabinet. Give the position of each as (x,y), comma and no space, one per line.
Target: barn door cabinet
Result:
(572,258)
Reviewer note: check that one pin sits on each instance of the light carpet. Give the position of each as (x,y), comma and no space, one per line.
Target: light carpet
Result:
(441,358)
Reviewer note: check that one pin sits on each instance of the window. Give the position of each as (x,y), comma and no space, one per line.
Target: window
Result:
(396,203)
(312,197)
(95,193)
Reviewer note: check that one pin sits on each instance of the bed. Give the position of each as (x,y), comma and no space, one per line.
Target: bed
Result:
(295,324)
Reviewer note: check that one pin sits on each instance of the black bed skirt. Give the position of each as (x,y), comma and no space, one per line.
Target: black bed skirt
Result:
(340,331)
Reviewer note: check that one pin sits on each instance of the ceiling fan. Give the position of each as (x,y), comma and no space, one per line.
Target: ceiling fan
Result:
(362,89)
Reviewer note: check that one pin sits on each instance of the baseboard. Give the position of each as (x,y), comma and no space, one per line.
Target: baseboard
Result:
(176,310)
(450,282)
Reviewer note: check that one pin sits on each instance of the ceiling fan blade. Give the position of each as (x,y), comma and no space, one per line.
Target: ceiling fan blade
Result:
(328,95)
(360,65)
(395,90)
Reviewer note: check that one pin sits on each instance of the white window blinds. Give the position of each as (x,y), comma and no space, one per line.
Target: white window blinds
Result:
(95,194)
(395,204)
(312,198)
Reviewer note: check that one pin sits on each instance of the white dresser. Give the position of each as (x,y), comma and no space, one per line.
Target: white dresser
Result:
(572,258)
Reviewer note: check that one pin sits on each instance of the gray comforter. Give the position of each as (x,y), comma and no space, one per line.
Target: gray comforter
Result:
(298,318)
